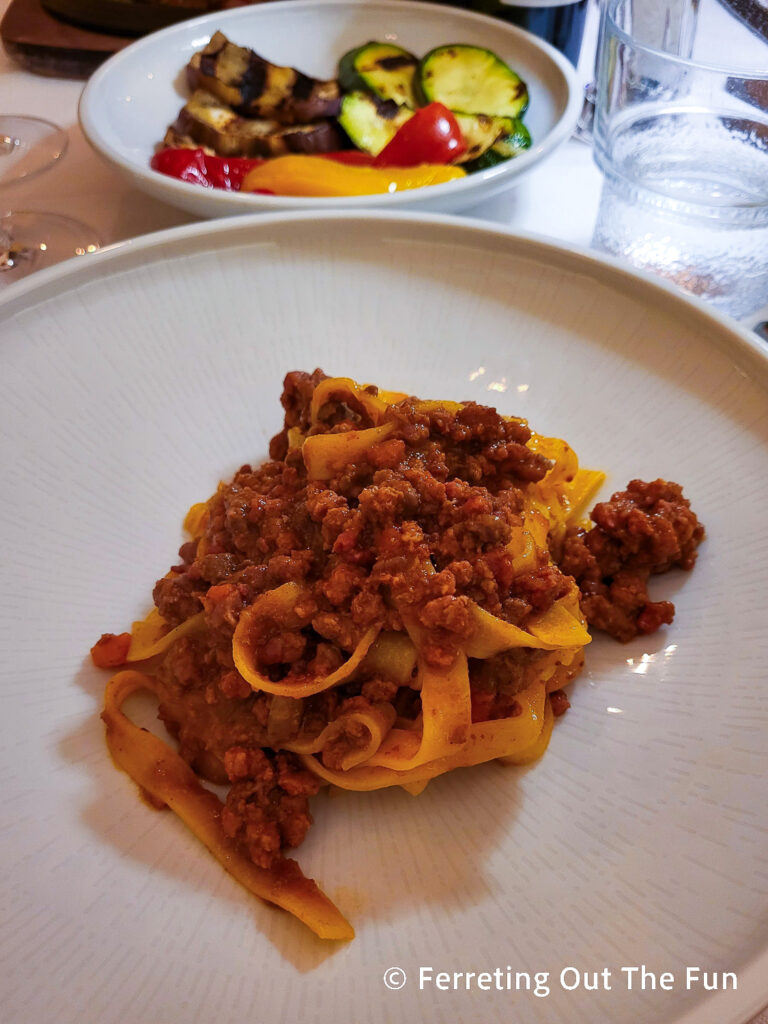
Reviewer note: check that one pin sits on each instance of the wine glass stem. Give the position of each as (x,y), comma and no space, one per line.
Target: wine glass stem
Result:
(12,255)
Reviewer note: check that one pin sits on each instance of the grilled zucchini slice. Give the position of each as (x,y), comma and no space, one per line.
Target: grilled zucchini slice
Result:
(509,145)
(471,80)
(514,141)
(481,133)
(386,70)
(371,122)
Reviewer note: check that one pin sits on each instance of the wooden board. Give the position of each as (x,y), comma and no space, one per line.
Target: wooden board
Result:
(46,45)
(49,44)
(126,17)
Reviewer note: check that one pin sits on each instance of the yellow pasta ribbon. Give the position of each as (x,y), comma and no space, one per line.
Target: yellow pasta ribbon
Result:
(169,781)
(435,405)
(539,745)
(375,721)
(563,494)
(326,455)
(529,543)
(196,519)
(485,741)
(346,390)
(392,656)
(446,720)
(560,627)
(279,604)
(151,636)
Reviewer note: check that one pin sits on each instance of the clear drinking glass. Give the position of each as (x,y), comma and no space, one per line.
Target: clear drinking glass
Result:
(683,145)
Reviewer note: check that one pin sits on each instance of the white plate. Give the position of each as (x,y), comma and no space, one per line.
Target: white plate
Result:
(130,101)
(131,383)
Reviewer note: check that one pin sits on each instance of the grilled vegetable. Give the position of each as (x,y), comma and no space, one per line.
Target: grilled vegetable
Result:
(200,168)
(457,106)
(208,122)
(386,70)
(516,140)
(490,158)
(311,176)
(471,80)
(481,133)
(370,122)
(255,88)
(431,136)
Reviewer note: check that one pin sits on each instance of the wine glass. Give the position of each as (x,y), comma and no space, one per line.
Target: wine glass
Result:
(31,239)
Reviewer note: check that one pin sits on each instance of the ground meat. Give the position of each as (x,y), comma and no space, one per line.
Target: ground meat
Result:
(496,682)
(216,568)
(111,650)
(267,807)
(379,690)
(354,736)
(298,388)
(540,588)
(232,685)
(559,702)
(413,533)
(647,529)
(178,596)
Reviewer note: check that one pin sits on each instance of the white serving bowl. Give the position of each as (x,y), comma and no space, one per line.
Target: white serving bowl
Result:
(130,101)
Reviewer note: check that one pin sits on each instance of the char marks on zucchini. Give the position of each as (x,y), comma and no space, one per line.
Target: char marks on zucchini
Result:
(472,80)
(382,69)
(371,122)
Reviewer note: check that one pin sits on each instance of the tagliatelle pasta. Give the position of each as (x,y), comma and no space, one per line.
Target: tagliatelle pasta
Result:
(379,604)
(169,781)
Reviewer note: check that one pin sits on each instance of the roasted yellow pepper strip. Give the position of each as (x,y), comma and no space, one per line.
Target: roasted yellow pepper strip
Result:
(315,176)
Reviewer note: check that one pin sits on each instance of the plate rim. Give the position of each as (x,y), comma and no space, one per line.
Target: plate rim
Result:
(610,269)
(121,256)
(505,172)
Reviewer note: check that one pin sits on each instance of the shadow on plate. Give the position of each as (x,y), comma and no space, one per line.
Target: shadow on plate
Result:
(407,853)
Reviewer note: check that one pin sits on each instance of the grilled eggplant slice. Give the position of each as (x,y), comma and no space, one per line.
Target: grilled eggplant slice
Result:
(210,123)
(174,140)
(255,88)
(386,70)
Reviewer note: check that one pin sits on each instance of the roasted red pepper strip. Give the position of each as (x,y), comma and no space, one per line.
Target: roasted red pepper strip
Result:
(111,650)
(431,136)
(200,168)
